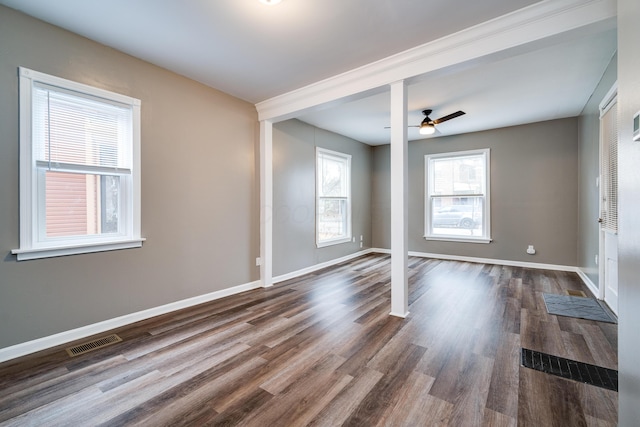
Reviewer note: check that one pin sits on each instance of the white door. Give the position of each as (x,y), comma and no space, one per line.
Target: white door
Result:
(611,270)
(609,200)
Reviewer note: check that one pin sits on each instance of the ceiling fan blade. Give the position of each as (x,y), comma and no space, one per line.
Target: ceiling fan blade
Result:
(448,117)
(427,120)
(410,126)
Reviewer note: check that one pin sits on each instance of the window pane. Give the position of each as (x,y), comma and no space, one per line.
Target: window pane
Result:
(457,216)
(81,204)
(332,219)
(458,175)
(109,194)
(74,129)
(334,178)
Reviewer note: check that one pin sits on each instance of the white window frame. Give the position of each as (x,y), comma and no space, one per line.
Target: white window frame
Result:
(32,243)
(429,179)
(346,158)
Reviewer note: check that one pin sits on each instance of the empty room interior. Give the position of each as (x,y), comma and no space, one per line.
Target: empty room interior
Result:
(291,213)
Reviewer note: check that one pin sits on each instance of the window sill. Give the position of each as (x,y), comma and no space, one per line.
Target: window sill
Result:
(458,239)
(333,242)
(50,252)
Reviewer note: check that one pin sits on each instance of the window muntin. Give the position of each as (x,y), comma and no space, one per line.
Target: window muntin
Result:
(333,197)
(79,170)
(457,196)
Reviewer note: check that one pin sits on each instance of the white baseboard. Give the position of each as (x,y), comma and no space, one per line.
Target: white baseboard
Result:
(589,283)
(44,343)
(320,266)
(61,338)
(492,261)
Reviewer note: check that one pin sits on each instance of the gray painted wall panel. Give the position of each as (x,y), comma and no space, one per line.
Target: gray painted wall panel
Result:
(534,190)
(294,145)
(199,195)
(629,212)
(588,151)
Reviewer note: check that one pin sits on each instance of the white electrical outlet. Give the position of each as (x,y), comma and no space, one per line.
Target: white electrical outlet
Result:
(360,245)
(596,259)
(531,250)
(361,239)
(257,261)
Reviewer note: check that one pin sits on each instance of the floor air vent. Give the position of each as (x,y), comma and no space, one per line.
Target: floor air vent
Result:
(570,369)
(575,293)
(93,345)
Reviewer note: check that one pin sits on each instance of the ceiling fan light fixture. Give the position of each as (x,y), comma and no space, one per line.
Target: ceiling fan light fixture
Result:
(427,129)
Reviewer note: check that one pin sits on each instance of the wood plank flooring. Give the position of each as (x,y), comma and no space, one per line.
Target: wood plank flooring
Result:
(322,350)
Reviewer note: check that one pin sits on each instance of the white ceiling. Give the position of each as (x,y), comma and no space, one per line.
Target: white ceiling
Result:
(256,52)
(544,84)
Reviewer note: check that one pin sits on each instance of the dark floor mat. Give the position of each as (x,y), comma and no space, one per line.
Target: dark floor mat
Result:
(583,308)
(570,369)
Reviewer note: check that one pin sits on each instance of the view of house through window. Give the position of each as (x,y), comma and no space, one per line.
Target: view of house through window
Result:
(333,197)
(457,202)
(80,204)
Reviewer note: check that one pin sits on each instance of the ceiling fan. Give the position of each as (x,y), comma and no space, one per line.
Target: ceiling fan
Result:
(427,126)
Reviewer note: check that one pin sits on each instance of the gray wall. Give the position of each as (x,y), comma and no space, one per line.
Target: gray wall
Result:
(294,145)
(629,212)
(199,191)
(534,192)
(588,158)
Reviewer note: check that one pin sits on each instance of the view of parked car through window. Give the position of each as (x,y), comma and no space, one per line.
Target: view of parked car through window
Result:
(458,216)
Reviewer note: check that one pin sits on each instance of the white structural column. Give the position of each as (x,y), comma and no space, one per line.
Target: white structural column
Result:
(266,203)
(399,201)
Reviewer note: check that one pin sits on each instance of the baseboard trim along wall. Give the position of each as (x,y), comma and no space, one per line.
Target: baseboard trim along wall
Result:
(320,266)
(44,343)
(536,265)
(61,338)
(485,260)
(592,287)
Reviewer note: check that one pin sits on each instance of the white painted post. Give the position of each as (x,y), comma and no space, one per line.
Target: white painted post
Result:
(266,203)
(399,201)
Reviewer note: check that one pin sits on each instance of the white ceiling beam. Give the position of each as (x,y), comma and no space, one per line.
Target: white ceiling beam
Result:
(539,21)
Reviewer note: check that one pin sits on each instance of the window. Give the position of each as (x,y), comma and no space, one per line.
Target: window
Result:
(457,196)
(333,197)
(79,168)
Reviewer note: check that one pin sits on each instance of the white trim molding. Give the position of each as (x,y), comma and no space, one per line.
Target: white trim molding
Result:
(28,254)
(540,21)
(491,261)
(266,203)
(316,267)
(65,337)
(23,349)
(539,266)
(589,283)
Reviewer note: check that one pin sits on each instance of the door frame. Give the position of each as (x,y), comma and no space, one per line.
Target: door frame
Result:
(607,102)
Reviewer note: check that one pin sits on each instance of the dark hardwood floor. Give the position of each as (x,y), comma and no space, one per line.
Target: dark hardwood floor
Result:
(322,350)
